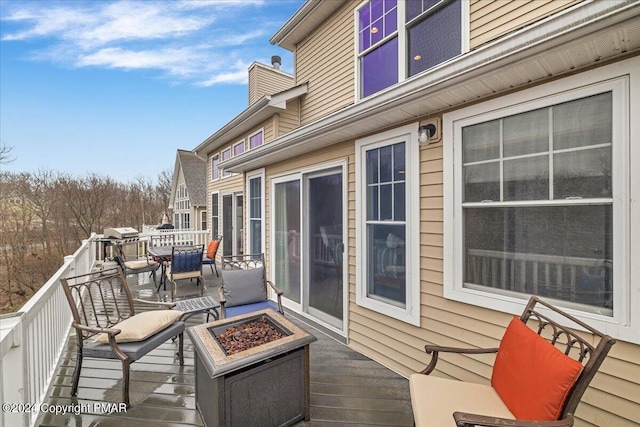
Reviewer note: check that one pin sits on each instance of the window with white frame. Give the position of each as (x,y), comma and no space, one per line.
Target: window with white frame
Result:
(225,155)
(215,172)
(215,215)
(238,148)
(398,39)
(536,196)
(255,192)
(256,139)
(387,224)
(203,220)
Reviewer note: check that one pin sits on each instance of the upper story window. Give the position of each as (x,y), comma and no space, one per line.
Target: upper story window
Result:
(215,172)
(397,40)
(256,139)
(226,155)
(238,148)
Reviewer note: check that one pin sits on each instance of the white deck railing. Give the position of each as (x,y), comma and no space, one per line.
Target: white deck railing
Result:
(32,341)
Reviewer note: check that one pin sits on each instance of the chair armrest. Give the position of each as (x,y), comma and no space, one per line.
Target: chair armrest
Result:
(95,330)
(276,289)
(165,305)
(221,298)
(468,420)
(434,350)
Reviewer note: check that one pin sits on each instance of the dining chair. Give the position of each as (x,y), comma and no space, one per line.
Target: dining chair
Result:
(210,255)
(131,263)
(186,263)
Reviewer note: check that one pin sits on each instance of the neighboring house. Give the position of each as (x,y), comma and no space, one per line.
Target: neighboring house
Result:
(188,192)
(443,160)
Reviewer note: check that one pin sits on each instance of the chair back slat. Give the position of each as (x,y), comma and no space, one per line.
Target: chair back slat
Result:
(571,342)
(98,299)
(243,262)
(187,260)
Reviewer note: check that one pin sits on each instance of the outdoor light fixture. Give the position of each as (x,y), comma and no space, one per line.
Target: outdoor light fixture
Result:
(425,133)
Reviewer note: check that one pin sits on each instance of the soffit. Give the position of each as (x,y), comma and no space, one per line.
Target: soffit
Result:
(581,38)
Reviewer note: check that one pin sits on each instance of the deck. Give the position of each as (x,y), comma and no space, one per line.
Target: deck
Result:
(347,388)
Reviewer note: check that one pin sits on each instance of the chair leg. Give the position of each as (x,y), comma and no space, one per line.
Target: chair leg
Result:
(181,348)
(76,372)
(214,264)
(125,382)
(211,265)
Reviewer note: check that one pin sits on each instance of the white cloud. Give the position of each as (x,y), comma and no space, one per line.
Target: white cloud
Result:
(184,39)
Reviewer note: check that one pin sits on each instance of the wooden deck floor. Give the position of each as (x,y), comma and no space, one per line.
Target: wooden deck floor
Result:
(347,388)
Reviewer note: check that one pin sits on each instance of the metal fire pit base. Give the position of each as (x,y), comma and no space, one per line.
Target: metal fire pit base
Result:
(263,386)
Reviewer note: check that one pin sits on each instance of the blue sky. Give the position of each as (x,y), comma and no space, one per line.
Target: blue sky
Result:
(116,87)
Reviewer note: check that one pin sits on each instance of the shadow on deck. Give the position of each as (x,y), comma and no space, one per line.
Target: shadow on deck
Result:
(347,388)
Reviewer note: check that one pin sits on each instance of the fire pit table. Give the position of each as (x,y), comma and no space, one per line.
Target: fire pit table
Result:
(251,370)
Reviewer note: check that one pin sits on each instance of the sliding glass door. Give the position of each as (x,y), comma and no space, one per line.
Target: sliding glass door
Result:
(286,217)
(232,224)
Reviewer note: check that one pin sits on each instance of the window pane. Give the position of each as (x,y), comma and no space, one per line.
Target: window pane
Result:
(386,262)
(255,140)
(365,16)
(582,173)
(526,179)
(399,202)
(435,39)
(376,9)
(399,171)
(481,142)
(380,68)
(526,133)
(583,122)
(377,31)
(562,252)
(238,149)
(372,167)
(391,22)
(386,202)
(256,237)
(482,182)
(386,164)
(372,203)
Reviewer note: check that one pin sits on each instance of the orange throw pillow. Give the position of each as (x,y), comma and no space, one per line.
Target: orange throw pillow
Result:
(532,377)
(212,247)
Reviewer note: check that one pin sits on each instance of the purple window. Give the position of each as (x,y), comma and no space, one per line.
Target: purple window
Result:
(215,172)
(255,140)
(238,149)
(377,20)
(379,68)
(226,154)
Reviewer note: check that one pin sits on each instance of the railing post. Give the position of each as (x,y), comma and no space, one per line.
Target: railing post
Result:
(14,371)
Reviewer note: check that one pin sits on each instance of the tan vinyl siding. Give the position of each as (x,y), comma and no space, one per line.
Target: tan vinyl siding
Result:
(289,119)
(325,60)
(265,80)
(614,395)
(490,19)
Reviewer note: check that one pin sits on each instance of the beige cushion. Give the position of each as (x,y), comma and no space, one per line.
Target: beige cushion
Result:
(139,263)
(185,275)
(434,400)
(142,325)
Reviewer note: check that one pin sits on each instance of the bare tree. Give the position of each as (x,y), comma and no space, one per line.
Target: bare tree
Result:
(5,153)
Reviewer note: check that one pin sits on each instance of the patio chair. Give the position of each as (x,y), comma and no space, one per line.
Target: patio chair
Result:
(186,263)
(107,326)
(210,255)
(541,370)
(245,287)
(135,264)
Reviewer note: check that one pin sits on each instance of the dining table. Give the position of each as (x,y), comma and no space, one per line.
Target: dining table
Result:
(163,254)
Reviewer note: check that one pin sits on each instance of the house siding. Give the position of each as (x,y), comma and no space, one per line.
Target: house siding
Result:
(325,61)
(264,80)
(492,19)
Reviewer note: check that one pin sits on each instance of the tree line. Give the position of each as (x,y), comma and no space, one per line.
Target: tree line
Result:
(45,215)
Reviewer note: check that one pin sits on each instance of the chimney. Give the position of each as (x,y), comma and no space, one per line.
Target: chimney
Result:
(276,61)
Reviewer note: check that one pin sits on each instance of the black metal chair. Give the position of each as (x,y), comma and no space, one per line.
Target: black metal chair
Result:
(135,264)
(107,326)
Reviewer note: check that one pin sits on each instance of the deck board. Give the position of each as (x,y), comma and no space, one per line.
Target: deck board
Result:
(347,388)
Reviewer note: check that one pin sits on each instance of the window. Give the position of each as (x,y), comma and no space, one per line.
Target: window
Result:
(186,223)
(255,192)
(397,40)
(256,139)
(387,223)
(226,155)
(238,148)
(215,172)
(215,215)
(536,200)
(203,220)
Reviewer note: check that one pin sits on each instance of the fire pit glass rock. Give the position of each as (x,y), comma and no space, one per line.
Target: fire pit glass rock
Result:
(247,335)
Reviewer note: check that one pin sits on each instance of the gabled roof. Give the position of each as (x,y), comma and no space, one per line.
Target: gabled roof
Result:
(194,171)
(255,114)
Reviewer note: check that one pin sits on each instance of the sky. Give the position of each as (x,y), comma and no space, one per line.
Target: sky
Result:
(116,87)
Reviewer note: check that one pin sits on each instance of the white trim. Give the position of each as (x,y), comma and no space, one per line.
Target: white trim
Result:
(623,79)
(218,169)
(223,172)
(251,135)
(217,213)
(258,173)
(408,134)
